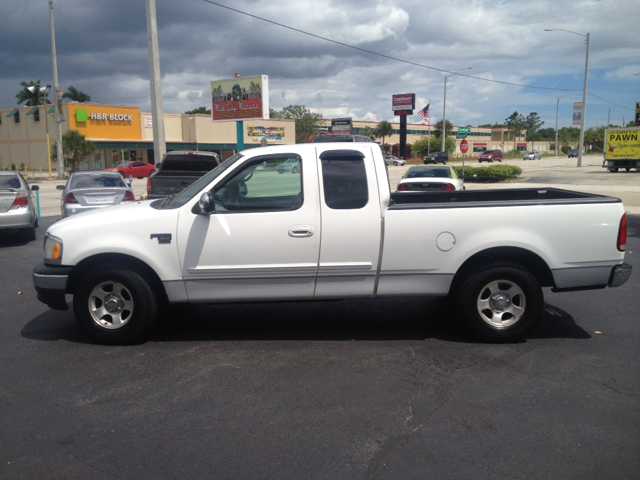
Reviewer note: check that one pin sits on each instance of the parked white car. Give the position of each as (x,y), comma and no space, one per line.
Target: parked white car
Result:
(395,161)
(430,179)
(333,230)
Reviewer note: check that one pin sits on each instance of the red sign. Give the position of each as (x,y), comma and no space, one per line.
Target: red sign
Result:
(405,101)
(464,146)
(403,112)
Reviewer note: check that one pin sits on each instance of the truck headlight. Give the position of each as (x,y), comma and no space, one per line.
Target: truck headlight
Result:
(52,249)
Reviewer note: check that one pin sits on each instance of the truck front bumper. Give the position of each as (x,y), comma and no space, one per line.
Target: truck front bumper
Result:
(51,284)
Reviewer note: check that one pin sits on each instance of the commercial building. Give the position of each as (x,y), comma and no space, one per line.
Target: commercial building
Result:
(123,133)
(479,139)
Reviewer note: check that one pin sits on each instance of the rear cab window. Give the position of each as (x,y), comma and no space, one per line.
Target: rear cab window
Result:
(344,179)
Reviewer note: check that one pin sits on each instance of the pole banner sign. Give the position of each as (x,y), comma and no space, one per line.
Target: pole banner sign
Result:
(242,98)
(405,101)
(577,113)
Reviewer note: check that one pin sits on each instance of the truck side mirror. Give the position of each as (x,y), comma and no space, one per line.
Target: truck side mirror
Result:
(59,187)
(206,204)
(35,187)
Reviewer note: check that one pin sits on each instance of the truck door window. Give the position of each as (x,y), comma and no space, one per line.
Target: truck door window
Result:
(265,184)
(345,180)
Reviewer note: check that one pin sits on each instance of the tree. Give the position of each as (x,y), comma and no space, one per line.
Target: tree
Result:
(204,110)
(384,129)
(308,124)
(32,98)
(76,95)
(74,147)
(368,132)
(427,145)
(533,123)
(515,123)
(438,129)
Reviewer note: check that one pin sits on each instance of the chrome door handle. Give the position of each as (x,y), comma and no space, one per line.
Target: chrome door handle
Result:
(301,231)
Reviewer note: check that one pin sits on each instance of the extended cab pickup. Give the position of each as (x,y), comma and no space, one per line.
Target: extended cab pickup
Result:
(178,170)
(330,230)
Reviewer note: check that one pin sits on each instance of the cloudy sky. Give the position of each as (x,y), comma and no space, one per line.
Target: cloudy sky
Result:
(102,50)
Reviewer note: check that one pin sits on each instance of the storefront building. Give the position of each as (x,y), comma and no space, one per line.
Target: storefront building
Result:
(479,139)
(123,133)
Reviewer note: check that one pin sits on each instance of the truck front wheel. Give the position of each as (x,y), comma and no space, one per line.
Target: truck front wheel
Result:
(115,305)
(500,302)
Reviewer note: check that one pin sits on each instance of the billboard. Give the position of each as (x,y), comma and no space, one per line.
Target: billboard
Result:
(405,101)
(637,119)
(269,134)
(341,125)
(577,113)
(240,98)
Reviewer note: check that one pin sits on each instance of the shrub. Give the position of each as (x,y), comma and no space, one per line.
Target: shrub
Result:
(491,174)
(565,149)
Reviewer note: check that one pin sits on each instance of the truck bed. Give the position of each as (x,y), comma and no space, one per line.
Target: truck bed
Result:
(496,198)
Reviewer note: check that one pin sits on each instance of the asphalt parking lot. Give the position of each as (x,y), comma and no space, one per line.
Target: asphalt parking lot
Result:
(363,389)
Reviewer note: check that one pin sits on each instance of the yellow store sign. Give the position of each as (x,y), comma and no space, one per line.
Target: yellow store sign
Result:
(105,122)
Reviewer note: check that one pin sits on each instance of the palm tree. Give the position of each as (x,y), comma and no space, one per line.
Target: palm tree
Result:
(367,131)
(32,98)
(438,130)
(384,129)
(76,95)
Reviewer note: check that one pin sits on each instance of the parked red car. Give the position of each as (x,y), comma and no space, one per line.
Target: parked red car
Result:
(490,156)
(135,169)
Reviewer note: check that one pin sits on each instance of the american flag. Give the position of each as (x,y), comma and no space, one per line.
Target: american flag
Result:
(424,113)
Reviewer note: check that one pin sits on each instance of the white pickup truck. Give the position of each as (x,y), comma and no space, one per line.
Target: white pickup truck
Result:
(331,229)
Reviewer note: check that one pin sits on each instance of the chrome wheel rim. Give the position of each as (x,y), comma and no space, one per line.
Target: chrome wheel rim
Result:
(501,303)
(110,305)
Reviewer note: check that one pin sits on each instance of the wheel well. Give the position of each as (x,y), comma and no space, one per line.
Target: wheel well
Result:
(532,262)
(127,261)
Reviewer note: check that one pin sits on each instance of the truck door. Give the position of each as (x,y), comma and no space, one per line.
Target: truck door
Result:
(262,242)
(351,223)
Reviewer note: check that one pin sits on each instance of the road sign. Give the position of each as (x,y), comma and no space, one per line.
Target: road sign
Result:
(464,146)
(460,135)
(464,129)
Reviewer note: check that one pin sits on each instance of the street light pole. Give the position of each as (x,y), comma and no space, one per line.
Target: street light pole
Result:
(57,113)
(557,109)
(584,91)
(444,106)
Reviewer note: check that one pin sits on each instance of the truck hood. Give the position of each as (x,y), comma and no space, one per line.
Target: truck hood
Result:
(125,217)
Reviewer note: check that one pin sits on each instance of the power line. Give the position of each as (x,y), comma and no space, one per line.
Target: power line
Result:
(381,54)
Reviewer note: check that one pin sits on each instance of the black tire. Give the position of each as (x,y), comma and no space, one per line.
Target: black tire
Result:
(613,170)
(30,234)
(121,173)
(500,302)
(133,305)
(294,170)
(152,172)
(628,169)
(395,164)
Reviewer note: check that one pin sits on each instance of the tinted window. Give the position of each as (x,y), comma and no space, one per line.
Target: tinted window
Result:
(345,183)
(189,163)
(97,181)
(9,181)
(431,172)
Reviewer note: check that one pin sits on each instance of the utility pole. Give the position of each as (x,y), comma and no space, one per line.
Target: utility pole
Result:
(57,102)
(159,143)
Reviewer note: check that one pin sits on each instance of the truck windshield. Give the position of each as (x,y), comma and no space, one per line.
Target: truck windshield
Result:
(189,192)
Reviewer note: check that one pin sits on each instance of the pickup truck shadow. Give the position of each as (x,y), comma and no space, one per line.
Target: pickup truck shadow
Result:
(359,320)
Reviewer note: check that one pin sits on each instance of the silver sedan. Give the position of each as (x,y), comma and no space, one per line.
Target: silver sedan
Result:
(18,211)
(532,156)
(89,190)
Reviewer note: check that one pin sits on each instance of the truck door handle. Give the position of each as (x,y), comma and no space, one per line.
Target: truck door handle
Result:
(301,231)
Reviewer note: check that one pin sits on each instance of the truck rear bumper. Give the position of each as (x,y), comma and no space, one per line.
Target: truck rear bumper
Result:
(620,274)
(577,279)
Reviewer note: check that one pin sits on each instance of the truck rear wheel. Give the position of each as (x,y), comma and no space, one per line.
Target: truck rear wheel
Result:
(500,302)
(115,305)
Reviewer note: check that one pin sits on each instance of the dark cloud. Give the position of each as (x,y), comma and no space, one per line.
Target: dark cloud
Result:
(102,50)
